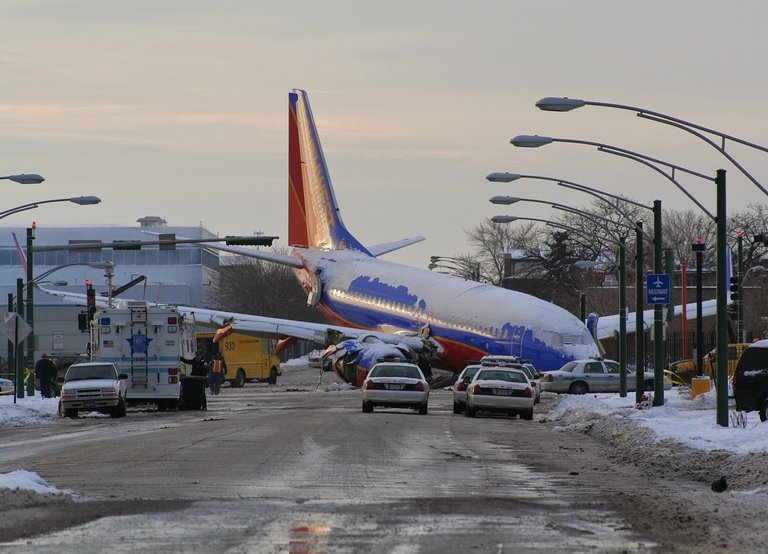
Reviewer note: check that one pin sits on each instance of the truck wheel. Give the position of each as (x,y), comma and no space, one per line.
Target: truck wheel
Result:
(273,376)
(70,413)
(239,381)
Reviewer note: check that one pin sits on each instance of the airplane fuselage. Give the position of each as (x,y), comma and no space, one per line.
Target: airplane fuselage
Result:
(467,318)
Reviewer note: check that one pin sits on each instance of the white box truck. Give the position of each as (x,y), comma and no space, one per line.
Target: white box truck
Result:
(146,343)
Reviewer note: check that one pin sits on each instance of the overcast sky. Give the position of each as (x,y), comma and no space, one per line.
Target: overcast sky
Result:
(178,108)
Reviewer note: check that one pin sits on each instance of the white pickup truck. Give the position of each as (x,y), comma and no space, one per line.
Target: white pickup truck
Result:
(93,386)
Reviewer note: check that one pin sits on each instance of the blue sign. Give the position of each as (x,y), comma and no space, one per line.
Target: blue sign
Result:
(657,288)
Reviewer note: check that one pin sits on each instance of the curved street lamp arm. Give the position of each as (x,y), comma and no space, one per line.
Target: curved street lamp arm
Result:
(602,146)
(601,194)
(684,126)
(665,174)
(597,194)
(670,120)
(596,220)
(17,209)
(573,230)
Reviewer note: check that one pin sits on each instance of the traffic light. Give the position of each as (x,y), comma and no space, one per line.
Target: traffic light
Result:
(82,322)
(90,297)
(126,245)
(735,289)
(231,240)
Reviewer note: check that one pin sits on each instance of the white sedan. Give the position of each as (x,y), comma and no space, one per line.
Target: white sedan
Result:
(395,385)
(498,389)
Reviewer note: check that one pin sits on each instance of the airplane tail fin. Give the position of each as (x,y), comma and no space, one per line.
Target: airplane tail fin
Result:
(314,218)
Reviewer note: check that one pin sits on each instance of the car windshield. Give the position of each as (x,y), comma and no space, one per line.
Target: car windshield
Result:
(80,372)
(469,373)
(753,359)
(527,371)
(409,371)
(497,375)
(568,368)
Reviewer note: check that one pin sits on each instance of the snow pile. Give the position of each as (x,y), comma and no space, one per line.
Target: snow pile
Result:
(28,480)
(28,410)
(689,422)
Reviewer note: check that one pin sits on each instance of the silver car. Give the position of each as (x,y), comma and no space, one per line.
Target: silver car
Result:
(460,387)
(395,385)
(500,389)
(591,375)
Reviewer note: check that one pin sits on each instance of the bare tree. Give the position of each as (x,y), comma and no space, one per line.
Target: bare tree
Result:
(491,241)
(252,286)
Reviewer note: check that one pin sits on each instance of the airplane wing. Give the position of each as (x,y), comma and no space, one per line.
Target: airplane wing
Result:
(608,325)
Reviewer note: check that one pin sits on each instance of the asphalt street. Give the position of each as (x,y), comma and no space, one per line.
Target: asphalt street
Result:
(300,468)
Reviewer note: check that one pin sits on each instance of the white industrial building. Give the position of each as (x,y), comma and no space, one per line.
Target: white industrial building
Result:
(185,275)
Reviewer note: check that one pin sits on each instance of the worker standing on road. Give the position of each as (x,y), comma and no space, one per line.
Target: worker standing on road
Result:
(198,365)
(218,369)
(46,371)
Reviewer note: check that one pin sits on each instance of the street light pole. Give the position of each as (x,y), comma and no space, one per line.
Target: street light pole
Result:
(622,317)
(722,303)
(639,327)
(658,313)
(699,248)
(30,359)
(18,357)
(740,299)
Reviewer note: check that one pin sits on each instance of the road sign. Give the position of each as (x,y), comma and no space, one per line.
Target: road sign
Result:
(11,322)
(657,288)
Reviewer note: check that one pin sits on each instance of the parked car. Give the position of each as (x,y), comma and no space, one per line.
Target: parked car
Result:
(500,389)
(591,375)
(460,387)
(395,385)
(6,386)
(750,380)
(93,386)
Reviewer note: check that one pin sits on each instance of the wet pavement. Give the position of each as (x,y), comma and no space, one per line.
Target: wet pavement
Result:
(297,469)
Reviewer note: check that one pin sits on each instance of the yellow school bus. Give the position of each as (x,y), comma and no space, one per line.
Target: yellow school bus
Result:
(248,358)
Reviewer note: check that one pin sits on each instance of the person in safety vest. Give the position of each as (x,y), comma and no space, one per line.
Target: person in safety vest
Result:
(217,369)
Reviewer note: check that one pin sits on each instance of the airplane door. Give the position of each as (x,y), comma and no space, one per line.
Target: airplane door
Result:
(313,297)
